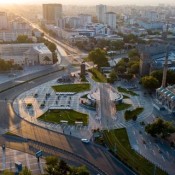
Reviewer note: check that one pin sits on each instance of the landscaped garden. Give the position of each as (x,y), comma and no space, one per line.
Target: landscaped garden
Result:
(118,142)
(62,115)
(97,76)
(126,91)
(72,87)
(122,106)
(132,114)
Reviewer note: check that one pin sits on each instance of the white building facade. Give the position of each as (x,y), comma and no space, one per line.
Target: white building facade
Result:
(111,20)
(26,54)
(100,12)
(3,21)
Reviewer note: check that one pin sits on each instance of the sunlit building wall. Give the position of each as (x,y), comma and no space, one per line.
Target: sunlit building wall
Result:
(111,20)
(100,12)
(52,13)
(3,21)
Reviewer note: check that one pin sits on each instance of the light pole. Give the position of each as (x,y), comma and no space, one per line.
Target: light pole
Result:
(154,170)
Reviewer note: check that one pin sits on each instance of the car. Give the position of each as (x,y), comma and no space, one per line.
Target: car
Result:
(85,140)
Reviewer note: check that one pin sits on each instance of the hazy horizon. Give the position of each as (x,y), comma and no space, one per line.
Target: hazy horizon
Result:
(91,2)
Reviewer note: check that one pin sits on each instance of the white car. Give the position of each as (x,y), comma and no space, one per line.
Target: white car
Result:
(85,140)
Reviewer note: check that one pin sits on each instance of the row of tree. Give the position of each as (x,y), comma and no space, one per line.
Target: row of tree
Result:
(51,46)
(160,128)
(98,57)
(154,80)
(8,65)
(54,166)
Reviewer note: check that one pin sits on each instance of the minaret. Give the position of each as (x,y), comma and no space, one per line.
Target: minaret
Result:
(165,69)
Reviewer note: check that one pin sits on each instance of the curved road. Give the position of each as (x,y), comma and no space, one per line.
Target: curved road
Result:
(92,153)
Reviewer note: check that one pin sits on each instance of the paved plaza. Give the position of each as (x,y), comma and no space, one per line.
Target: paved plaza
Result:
(71,100)
(9,157)
(54,101)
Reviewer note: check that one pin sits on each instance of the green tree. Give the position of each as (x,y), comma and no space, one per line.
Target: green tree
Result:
(150,83)
(133,53)
(120,69)
(98,56)
(25,171)
(112,77)
(160,128)
(82,170)
(51,165)
(7,172)
(102,43)
(23,39)
(117,45)
(63,168)
(134,68)
(158,74)
(130,38)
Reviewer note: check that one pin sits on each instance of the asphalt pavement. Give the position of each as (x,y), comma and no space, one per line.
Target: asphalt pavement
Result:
(90,152)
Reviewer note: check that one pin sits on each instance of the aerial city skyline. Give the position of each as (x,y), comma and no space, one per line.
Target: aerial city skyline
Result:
(91,2)
(87,87)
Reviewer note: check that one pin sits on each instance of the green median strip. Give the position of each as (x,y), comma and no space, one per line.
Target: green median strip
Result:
(97,76)
(118,142)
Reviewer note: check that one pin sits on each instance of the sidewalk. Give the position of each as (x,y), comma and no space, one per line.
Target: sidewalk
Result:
(32,114)
(9,157)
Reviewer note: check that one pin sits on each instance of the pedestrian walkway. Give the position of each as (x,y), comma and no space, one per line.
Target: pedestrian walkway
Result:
(43,98)
(8,157)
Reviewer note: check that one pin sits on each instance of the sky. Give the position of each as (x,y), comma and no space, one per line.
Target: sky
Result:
(92,2)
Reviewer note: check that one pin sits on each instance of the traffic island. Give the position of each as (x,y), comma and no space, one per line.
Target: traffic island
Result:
(69,117)
(132,114)
(126,91)
(122,106)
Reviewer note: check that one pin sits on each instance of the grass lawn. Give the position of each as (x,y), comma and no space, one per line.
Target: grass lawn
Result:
(86,59)
(122,106)
(126,91)
(130,114)
(98,76)
(125,96)
(56,115)
(118,140)
(72,87)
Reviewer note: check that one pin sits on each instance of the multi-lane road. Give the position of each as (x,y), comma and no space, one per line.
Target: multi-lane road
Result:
(8,119)
(92,153)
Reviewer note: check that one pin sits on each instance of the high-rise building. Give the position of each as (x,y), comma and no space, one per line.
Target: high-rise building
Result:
(52,13)
(3,21)
(85,19)
(101,11)
(111,20)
